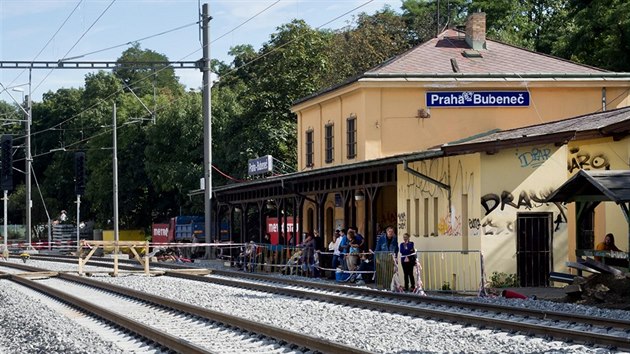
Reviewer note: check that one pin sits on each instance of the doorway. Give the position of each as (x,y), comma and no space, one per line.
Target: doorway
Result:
(534,248)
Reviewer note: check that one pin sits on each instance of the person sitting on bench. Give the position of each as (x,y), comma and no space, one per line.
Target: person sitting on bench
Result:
(609,245)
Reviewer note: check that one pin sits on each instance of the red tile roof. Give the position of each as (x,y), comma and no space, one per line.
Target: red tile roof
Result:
(435,56)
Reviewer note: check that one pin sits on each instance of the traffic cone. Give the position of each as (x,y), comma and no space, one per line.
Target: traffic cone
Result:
(509,294)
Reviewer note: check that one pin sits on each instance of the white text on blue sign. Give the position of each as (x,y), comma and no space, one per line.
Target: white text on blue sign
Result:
(478,99)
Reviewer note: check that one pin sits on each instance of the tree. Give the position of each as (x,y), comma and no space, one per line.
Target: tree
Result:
(173,157)
(255,120)
(531,24)
(598,34)
(142,79)
(374,39)
(427,18)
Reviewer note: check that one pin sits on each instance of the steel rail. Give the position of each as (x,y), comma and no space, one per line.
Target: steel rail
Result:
(358,291)
(440,314)
(558,333)
(298,339)
(164,339)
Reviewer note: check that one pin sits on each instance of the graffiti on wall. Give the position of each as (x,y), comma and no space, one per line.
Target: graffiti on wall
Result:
(582,160)
(473,226)
(402,221)
(495,225)
(533,158)
(450,225)
(437,169)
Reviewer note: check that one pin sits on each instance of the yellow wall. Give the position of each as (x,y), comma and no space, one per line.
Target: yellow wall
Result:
(441,229)
(498,187)
(608,155)
(515,181)
(385,213)
(388,123)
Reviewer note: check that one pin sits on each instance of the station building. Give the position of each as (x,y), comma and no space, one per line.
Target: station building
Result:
(424,143)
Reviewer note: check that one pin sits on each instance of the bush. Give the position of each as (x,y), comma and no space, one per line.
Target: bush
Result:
(503,280)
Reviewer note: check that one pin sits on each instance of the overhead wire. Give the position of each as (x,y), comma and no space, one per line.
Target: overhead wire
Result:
(159,70)
(76,43)
(49,40)
(245,22)
(164,106)
(296,38)
(137,40)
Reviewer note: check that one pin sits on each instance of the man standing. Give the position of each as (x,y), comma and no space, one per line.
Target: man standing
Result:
(388,242)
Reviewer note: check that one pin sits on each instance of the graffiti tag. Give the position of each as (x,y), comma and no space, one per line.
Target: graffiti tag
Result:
(586,161)
(533,158)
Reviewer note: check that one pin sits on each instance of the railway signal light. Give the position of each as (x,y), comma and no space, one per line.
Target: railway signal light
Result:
(6,176)
(79,173)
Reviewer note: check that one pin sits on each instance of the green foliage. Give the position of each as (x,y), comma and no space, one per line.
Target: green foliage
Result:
(598,34)
(142,79)
(503,280)
(423,22)
(446,286)
(371,41)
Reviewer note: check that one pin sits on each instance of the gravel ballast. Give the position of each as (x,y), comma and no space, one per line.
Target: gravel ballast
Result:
(366,329)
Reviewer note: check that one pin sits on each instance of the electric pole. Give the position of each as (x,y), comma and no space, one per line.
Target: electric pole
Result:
(207,125)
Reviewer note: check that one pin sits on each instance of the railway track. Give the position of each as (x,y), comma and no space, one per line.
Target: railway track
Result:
(562,326)
(182,327)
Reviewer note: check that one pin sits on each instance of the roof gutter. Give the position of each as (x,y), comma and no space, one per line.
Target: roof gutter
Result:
(428,179)
(612,75)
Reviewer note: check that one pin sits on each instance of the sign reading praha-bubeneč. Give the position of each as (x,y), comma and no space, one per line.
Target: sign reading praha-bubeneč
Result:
(478,99)
(260,165)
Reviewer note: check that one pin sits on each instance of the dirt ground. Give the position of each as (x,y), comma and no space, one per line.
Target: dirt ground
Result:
(602,290)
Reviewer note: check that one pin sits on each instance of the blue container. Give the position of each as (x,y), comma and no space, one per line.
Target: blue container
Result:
(341,276)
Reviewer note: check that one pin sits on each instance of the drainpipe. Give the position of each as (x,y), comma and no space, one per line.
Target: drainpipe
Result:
(603,99)
(428,179)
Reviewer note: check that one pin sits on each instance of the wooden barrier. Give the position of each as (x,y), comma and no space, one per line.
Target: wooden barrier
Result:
(94,245)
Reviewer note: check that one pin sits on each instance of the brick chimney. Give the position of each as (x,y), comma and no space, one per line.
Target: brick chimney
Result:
(476,30)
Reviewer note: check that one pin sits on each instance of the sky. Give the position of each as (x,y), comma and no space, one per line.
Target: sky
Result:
(49,30)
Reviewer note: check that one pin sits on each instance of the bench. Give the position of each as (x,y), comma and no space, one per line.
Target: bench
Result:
(561,277)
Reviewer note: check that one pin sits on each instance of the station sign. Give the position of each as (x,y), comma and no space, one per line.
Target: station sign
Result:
(477,99)
(260,165)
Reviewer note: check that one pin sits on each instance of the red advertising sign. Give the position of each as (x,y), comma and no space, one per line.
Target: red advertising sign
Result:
(273,228)
(160,233)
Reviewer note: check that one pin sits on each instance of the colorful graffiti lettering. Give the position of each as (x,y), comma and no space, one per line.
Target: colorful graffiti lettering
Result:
(450,226)
(533,158)
(586,161)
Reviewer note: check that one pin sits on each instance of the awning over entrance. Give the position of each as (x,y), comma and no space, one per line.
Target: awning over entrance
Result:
(600,186)
(588,189)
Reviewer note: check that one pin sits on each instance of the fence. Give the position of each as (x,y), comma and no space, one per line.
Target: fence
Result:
(451,270)
(441,270)
(268,258)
